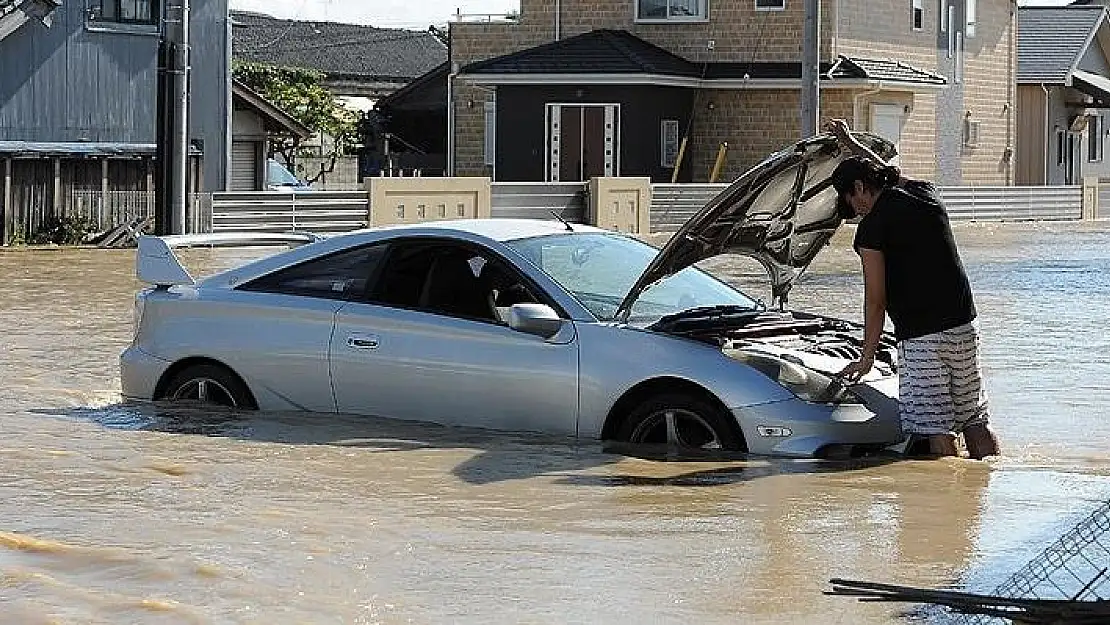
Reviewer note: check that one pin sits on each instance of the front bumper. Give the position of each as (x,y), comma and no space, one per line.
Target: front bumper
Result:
(139,374)
(798,428)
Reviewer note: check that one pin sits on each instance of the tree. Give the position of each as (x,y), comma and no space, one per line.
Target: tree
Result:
(300,93)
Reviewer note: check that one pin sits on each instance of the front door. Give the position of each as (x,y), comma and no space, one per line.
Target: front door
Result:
(433,347)
(886,121)
(582,141)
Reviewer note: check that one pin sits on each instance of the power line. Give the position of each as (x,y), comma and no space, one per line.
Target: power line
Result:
(292,23)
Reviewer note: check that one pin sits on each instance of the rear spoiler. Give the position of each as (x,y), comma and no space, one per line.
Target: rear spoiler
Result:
(155,262)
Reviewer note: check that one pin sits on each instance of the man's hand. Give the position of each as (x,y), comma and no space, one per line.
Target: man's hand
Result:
(857,369)
(839,129)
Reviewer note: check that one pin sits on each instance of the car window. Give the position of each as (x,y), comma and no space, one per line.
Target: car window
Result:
(449,279)
(344,275)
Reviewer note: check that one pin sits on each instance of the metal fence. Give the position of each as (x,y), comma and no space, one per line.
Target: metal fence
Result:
(338,211)
(318,211)
(1013,203)
(538,200)
(672,205)
(106,210)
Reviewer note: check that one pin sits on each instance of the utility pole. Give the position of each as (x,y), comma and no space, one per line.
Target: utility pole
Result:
(173,119)
(811,69)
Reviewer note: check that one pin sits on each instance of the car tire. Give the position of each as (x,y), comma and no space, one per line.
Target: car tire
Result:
(208,384)
(681,420)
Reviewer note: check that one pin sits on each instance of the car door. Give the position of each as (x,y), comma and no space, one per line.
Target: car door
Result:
(284,323)
(429,345)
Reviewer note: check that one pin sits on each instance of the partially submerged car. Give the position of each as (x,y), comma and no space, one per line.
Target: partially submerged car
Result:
(534,325)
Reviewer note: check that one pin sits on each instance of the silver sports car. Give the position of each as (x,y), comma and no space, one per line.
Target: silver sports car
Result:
(533,325)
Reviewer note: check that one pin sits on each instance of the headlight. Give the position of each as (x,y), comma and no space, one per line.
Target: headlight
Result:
(805,383)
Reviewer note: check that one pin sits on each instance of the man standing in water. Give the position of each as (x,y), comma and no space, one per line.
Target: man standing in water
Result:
(913,272)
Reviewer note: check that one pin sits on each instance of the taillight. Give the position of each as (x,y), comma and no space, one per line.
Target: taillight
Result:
(137,312)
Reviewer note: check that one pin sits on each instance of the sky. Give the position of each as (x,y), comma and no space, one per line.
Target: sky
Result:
(415,14)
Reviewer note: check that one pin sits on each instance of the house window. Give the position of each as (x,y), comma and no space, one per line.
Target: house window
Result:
(672,9)
(124,11)
(668,142)
(1061,146)
(970,18)
(971,133)
(1094,138)
(770,5)
(917,14)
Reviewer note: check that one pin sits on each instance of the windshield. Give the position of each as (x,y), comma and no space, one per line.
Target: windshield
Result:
(280,176)
(599,269)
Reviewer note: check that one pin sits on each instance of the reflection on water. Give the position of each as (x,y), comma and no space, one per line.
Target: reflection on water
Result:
(144,514)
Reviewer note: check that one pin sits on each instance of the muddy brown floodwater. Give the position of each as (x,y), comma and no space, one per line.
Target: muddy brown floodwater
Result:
(113,514)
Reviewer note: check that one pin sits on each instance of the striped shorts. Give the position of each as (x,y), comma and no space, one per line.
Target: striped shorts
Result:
(940,383)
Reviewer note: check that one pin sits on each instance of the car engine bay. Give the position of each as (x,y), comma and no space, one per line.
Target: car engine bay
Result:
(787,331)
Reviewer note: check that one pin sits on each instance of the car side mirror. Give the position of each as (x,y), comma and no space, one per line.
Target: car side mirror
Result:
(538,319)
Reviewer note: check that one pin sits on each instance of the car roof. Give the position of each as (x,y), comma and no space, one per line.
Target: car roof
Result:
(502,230)
(498,229)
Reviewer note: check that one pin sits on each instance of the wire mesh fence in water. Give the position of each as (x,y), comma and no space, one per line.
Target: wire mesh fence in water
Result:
(1075,567)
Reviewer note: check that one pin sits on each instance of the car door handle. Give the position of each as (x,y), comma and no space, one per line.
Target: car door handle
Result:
(363,341)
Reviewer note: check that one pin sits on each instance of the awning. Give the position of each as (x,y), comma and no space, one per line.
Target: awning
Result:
(1098,87)
(80,149)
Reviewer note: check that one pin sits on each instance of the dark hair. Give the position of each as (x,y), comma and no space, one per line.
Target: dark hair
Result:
(855,168)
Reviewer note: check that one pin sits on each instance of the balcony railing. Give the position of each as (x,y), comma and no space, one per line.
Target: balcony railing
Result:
(486,18)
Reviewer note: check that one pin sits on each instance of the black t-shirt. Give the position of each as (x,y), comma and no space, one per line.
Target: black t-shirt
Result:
(927,290)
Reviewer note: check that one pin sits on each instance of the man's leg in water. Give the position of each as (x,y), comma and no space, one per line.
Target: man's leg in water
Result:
(925,399)
(969,398)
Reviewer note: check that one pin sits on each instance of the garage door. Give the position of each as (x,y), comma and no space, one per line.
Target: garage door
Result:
(244,166)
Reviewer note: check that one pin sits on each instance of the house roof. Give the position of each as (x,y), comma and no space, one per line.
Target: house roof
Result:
(274,117)
(595,52)
(620,53)
(1052,40)
(336,49)
(427,93)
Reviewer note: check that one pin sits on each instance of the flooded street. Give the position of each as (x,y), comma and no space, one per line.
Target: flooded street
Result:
(114,514)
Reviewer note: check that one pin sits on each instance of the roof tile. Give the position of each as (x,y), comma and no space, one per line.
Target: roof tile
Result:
(1051,39)
(333,48)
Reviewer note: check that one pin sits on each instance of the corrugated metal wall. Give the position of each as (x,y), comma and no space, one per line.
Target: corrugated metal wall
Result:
(70,83)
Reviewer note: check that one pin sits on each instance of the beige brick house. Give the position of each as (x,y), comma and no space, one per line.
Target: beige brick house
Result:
(572,89)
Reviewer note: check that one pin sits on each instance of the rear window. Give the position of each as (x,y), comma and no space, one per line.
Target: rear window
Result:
(343,276)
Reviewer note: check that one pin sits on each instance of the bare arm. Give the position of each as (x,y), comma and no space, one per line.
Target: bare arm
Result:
(839,129)
(874,312)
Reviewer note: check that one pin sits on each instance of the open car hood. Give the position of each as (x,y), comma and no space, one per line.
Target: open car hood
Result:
(781,212)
